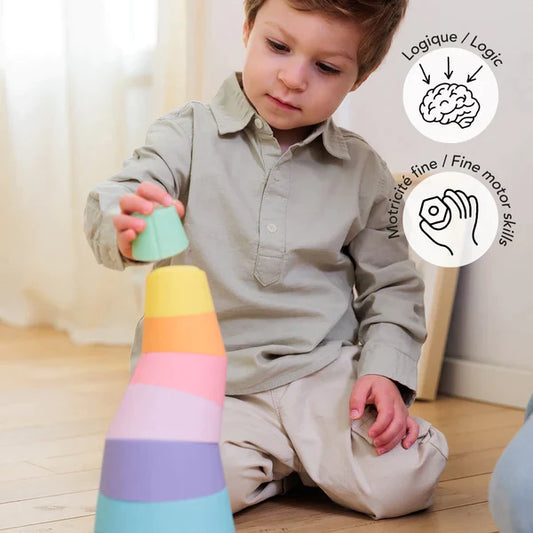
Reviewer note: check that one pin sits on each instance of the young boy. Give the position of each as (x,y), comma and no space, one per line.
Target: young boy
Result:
(286,212)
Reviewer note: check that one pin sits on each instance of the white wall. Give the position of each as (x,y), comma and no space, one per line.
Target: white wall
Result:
(489,355)
(490,349)
(224,50)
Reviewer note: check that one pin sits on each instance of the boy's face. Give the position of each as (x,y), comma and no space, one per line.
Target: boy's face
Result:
(299,65)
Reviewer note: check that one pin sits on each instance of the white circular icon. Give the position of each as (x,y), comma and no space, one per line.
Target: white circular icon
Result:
(450,219)
(450,95)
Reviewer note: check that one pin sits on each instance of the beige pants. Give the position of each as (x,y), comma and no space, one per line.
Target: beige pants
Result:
(304,427)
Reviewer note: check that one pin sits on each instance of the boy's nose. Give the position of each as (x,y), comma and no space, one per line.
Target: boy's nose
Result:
(294,75)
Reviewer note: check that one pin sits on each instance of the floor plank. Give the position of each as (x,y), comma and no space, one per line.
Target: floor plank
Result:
(468,519)
(51,485)
(39,510)
(84,524)
(471,463)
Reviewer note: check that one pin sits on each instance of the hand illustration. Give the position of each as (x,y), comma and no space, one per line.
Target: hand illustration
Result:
(450,221)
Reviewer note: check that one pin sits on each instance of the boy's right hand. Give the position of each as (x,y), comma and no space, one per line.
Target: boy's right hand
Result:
(147,196)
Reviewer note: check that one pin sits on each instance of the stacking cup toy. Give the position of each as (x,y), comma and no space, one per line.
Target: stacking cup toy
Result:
(163,236)
(161,469)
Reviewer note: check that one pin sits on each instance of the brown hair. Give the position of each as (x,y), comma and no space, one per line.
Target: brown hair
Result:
(378,19)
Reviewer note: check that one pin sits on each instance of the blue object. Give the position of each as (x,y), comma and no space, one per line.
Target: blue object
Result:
(210,514)
(511,484)
(529,408)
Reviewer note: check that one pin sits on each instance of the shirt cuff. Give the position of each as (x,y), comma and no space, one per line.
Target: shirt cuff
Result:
(103,239)
(392,360)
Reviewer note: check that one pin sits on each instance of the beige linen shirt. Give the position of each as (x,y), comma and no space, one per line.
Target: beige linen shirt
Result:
(283,238)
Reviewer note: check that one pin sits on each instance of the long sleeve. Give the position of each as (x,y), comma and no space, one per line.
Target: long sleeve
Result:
(389,303)
(164,159)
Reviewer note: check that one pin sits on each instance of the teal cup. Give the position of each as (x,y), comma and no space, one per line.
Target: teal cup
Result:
(163,236)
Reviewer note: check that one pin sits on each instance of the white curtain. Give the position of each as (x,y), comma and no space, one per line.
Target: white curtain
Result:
(80,81)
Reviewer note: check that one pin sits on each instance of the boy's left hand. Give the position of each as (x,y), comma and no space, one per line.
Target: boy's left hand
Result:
(393,423)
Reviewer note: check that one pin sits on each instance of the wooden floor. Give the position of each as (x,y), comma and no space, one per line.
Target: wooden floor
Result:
(56,403)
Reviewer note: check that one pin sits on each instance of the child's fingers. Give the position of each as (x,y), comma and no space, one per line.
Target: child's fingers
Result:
(124,240)
(125,222)
(180,208)
(132,203)
(412,433)
(127,229)
(383,421)
(380,450)
(151,191)
(395,431)
(359,398)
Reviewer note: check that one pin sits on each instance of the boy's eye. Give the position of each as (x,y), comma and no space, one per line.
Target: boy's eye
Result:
(277,47)
(327,69)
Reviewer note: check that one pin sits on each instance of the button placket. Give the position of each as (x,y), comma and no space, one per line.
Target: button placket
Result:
(271,250)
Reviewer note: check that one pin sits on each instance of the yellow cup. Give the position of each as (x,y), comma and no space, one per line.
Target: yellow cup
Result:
(177,290)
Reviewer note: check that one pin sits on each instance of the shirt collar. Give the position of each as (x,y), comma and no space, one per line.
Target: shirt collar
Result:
(230,107)
(233,112)
(332,138)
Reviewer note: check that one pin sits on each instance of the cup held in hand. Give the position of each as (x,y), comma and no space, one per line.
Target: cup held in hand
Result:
(163,236)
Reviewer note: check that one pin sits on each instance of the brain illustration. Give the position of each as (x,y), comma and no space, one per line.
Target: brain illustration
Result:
(449,103)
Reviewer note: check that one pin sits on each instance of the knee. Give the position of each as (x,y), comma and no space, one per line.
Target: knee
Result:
(249,475)
(410,481)
(239,482)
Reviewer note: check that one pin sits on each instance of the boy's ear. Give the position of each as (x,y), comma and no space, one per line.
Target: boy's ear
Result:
(358,83)
(246,32)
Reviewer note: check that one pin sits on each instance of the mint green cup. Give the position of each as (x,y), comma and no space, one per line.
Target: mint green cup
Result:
(163,236)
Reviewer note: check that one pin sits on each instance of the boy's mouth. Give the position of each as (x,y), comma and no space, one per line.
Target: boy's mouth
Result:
(282,103)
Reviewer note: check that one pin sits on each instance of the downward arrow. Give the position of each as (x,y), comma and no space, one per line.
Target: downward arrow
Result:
(449,73)
(473,76)
(426,77)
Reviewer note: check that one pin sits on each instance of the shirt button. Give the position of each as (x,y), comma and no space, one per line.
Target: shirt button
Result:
(272,228)
(258,123)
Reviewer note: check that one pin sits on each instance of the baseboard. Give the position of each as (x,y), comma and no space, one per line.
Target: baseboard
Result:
(488,383)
